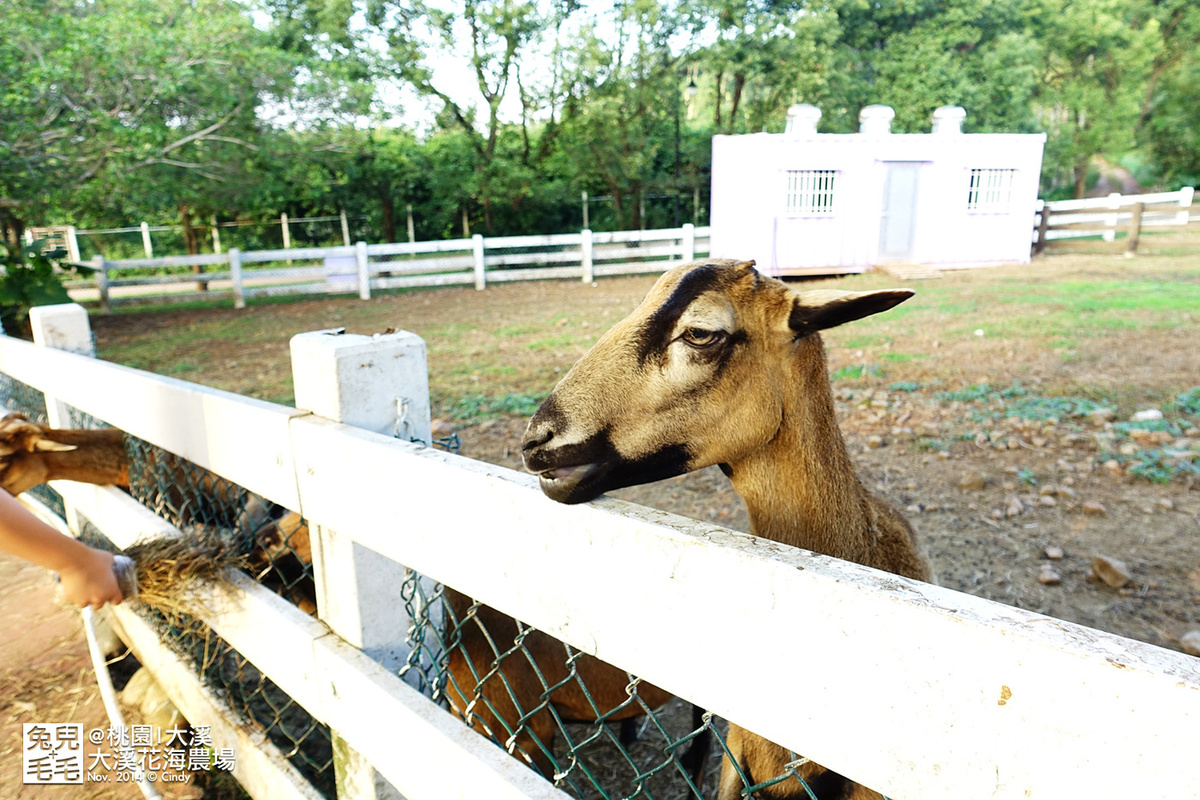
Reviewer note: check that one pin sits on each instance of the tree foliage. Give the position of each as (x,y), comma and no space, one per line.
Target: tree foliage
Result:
(114,111)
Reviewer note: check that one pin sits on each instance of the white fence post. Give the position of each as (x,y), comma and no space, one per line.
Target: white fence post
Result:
(585,258)
(101,268)
(345,227)
(1185,201)
(364,270)
(287,233)
(216,234)
(146,244)
(235,276)
(1114,202)
(480,273)
(72,244)
(63,327)
(380,383)
(689,242)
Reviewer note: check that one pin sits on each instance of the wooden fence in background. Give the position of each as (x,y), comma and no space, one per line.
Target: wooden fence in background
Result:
(362,268)
(1065,225)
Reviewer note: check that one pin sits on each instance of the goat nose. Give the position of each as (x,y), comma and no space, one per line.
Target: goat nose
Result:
(535,437)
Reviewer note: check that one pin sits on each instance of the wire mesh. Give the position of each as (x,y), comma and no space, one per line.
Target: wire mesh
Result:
(593,730)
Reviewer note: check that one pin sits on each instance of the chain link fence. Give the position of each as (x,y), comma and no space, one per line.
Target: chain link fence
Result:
(595,731)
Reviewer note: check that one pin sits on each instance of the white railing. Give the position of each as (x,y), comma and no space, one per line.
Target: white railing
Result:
(1105,216)
(913,689)
(362,268)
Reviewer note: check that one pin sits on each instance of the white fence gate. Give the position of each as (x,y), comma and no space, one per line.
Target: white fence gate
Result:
(919,691)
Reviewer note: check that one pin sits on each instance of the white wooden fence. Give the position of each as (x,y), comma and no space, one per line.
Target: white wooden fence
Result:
(1061,220)
(363,268)
(913,689)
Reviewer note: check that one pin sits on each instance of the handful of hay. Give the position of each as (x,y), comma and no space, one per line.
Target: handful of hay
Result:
(170,569)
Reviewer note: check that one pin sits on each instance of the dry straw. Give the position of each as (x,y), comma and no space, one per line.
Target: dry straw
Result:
(171,569)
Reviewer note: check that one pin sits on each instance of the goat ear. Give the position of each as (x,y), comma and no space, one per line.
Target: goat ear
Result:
(823,308)
(48,446)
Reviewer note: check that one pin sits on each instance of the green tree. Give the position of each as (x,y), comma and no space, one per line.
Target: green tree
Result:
(1096,57)
(132,103)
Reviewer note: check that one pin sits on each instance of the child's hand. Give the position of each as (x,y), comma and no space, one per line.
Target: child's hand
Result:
(90,580)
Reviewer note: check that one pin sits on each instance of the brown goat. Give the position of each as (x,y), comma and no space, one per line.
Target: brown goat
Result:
(32,454)
(523,692)
(722,365)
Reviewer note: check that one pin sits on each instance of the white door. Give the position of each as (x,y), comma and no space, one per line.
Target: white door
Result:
(898,223)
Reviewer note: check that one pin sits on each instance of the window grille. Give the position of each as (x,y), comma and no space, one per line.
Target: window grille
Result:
(991,190)
(810,191)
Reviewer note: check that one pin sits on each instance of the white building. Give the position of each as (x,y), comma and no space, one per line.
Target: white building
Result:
(803,202)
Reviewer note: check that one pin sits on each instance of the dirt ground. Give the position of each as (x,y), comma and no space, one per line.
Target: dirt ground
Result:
(1011,509)
(46,676)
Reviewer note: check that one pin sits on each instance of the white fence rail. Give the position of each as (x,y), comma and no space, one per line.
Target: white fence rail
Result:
(362,268)
(1105,216)
(915,690)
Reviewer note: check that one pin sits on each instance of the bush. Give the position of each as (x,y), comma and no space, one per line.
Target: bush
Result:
(29,280)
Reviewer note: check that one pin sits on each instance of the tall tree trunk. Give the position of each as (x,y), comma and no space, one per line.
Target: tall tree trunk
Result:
(717,105)
(389,218)
(1081,173)
(618,206)
(191,243)
(739,83)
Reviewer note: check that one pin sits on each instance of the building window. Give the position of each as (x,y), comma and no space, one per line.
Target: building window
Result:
(991,190)
(810,191)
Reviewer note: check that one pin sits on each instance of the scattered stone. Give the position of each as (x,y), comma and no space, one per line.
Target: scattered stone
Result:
(874,441)
(944,455)
(1048,490)
(1112,466)
(974,480)
(1047,501)
(913,509)
(1048,576)
(1111,571)
(997,514)
(1094,509)
(1014,508)
(1067,492)
(1039,441)
(1148,415)
(440,428)
(1166,503)
(1054,553)
(1100,416)
(1191,642)
(1128,449)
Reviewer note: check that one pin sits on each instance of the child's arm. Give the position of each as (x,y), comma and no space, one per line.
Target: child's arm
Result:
(86,573)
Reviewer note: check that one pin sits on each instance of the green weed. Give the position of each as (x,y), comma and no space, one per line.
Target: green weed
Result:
(854,372)
(478,407)
(1189,402)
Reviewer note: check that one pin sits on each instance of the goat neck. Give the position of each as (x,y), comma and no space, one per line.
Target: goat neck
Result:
(800,488)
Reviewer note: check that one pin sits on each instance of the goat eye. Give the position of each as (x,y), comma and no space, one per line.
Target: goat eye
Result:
(699,337)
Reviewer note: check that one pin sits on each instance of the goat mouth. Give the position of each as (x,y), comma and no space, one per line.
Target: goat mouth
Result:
(559,484)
